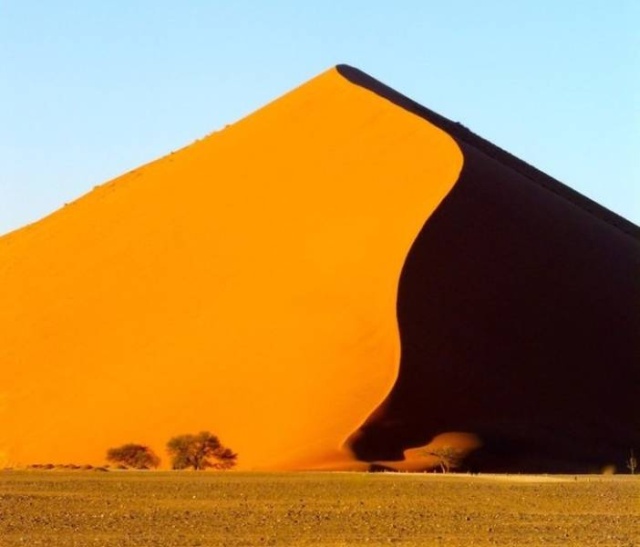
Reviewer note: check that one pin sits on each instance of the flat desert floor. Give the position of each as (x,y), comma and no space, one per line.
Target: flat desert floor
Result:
(124,508)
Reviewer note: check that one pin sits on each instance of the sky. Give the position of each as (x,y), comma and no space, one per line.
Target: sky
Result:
(90,90)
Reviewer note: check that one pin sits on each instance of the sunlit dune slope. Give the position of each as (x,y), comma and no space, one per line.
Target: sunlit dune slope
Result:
(246,285)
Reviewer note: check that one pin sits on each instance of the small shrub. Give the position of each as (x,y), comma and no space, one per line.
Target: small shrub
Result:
(632,462)
(133,455)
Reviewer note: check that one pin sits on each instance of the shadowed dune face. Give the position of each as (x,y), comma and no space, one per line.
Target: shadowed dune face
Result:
(246,285)
(518,320)
(518,313)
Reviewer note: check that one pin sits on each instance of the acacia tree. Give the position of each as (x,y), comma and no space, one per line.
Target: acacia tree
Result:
(134,455)
(200,451)
(448,457)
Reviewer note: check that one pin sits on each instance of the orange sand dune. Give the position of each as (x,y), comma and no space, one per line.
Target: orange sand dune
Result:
(343,280)
(246,284)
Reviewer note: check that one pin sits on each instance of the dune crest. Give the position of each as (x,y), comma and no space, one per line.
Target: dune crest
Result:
(518,317)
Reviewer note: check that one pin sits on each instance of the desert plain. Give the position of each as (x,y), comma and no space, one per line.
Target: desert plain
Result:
(189,509)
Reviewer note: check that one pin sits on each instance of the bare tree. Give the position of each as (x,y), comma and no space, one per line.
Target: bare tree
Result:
(448,457)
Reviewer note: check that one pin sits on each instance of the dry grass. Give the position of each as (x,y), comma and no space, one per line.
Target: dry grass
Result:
(62,508)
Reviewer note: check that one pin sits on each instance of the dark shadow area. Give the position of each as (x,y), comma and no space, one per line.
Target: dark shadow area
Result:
(518,314)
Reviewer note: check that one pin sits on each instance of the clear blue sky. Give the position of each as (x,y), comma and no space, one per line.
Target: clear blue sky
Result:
(89,90)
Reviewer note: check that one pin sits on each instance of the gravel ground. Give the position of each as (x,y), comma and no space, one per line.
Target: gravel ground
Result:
(188,509)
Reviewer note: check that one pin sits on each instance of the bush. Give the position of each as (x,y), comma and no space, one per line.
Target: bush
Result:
(133,455)
(200,451)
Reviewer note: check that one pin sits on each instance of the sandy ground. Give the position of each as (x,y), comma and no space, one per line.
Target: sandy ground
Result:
(333,509)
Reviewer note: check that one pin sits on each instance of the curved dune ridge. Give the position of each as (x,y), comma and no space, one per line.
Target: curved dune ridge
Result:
(245,284)
(343,279)
(519,315)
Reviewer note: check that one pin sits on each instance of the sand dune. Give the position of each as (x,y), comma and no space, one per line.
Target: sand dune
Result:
(337,279)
